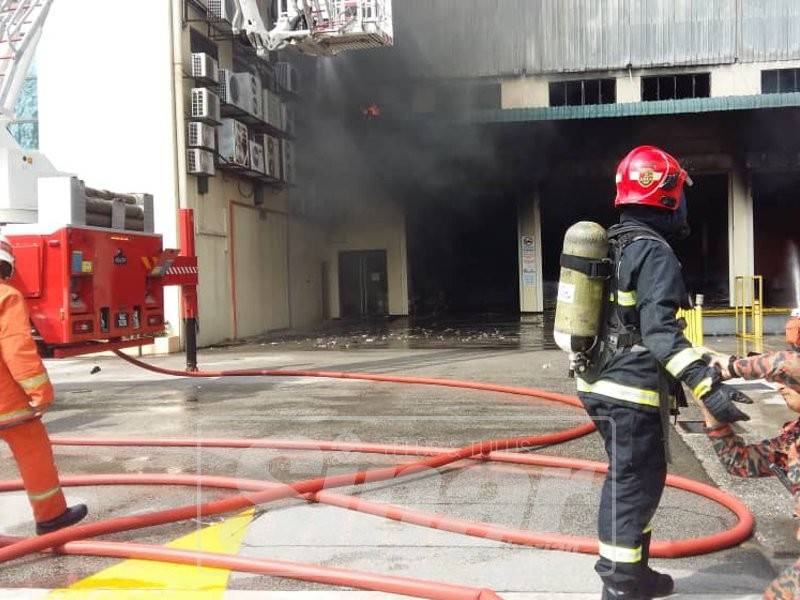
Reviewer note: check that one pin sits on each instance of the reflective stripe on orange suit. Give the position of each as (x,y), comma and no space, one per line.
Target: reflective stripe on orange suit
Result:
(34,455)
(24,387)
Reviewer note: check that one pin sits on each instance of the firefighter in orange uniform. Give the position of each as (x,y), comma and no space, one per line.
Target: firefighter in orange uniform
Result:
(25,393)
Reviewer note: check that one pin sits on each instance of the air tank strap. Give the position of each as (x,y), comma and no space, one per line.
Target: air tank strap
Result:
(623,340)
(664,409)
(591,267)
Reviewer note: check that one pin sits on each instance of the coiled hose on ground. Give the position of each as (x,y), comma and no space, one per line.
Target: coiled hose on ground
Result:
(78,540)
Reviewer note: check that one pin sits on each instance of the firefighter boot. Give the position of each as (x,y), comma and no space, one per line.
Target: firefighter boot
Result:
(653,584)
(71,516)
(622,593)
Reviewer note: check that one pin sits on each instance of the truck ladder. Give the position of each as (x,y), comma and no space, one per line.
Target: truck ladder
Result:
(21,24)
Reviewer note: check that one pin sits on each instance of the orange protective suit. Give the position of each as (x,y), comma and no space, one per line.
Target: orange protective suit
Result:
(25,392)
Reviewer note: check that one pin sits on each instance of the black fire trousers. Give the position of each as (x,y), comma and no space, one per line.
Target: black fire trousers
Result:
(632,489)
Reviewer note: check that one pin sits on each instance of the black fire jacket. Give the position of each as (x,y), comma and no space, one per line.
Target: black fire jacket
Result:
(647,289)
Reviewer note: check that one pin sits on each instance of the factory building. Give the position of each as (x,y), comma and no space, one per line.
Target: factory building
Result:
(438,176)
(539,116)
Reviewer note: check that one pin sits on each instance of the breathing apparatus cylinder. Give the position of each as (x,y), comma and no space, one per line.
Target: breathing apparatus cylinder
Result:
(585,268)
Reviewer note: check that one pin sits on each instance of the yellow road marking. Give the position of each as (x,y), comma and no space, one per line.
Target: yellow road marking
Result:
(141,579)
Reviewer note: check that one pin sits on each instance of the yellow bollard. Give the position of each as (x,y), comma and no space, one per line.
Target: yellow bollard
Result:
(693,318)
(749,308)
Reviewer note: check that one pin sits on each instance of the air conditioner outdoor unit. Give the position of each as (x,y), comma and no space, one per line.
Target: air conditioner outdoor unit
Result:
(267,105)
(273,107)
(221,10)
(252,94)
(200,162)
(287,119)
(288,162)
(257,157)
(229,92)
(234,143)
(287,76)
(205,106)
(272,156)
(201,136)
(205,67)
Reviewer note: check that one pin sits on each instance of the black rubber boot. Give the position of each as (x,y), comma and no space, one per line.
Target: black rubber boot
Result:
(615,593)
(657,585)
(653,584)
(71,516)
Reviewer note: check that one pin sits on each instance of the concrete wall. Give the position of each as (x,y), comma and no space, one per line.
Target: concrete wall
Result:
(214,292)
(741,240)
(743,79)
(522,92)
(714,325)
(529,240)
(629,88)
(738,79)
(379,225)
(264,272)
(254,276)
(307,252)
(260,263)
(242,250)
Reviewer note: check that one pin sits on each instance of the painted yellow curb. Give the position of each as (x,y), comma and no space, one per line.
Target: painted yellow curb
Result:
(144,580)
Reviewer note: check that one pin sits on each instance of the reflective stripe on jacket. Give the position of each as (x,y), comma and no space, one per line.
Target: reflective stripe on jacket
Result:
(648,291)
(24,384)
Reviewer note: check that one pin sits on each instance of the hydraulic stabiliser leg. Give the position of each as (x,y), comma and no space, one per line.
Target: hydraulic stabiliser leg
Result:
(191,343)
(189,290)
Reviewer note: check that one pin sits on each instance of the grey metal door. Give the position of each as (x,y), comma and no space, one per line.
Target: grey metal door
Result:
(363,288)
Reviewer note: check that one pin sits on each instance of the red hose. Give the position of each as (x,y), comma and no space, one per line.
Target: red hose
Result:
(660,549)
(450,383)
(407,586)
(27,546)
(67,540)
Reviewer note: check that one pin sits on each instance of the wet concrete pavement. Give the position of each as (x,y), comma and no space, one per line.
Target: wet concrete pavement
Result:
(490,332)
(123,401)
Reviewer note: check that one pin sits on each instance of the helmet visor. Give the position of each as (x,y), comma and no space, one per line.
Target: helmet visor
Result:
(672,180)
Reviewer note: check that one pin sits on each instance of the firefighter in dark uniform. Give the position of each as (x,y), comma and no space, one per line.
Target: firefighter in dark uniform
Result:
(641,361)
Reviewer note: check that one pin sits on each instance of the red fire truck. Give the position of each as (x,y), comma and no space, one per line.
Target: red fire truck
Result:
(94,272)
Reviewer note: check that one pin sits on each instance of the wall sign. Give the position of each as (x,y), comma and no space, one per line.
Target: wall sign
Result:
(528,260)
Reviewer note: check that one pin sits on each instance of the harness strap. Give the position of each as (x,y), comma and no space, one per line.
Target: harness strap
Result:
(596,268)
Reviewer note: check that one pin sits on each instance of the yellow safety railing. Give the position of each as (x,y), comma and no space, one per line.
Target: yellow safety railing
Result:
(749,307)
(745,346)
(694,324)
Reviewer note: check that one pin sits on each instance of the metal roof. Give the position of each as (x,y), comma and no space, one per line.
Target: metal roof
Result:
(490,38)
(632,109)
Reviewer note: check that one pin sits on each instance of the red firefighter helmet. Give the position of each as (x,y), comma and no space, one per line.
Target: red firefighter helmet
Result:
(6,253)
(648,176)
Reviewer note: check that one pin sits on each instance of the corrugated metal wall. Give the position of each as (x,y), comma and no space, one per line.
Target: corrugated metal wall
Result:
(770,30)
(473,38)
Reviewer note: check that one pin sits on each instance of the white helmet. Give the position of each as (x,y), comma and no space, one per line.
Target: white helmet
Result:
(6,252)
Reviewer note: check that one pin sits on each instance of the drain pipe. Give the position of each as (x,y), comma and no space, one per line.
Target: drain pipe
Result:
(180,184)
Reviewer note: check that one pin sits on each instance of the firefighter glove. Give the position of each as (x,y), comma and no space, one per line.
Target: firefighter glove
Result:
(720,403)
(42,397)
(741,398)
